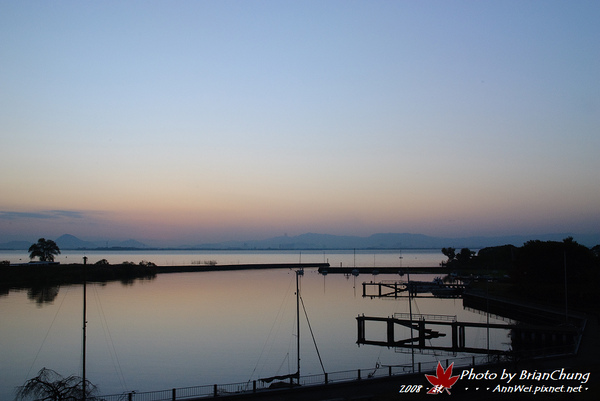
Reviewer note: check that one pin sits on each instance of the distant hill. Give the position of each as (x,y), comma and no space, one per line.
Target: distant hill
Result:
(130,243)
(69,241)
(15,245)
(326,241)
(391,241)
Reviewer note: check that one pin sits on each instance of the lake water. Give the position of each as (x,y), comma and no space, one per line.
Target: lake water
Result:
(358,258)
(190,329)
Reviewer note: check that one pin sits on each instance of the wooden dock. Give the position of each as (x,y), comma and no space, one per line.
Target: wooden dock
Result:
(384,289)
(397,289)
(522,336)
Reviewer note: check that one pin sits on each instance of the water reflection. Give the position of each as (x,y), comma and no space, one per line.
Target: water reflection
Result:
(42,295)
(43,284)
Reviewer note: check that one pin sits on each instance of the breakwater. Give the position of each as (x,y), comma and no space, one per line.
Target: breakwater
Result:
(380,270)
(233,267)
(42,275)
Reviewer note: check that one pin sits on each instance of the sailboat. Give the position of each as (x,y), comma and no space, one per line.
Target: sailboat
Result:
(83,379)
(278,381)
(49,384)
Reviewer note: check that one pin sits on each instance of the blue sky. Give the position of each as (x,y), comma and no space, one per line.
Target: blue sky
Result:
(215,120)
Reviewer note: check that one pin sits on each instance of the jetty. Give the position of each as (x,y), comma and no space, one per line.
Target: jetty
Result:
(429,327)
(380,270)
(48,275)
(398,289)
(242,266)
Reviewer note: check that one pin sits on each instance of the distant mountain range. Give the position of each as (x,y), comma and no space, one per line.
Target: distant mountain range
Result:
(392,241)
(69,242)
(325,241)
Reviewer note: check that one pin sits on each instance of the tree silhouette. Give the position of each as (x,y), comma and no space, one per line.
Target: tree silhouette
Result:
(44,249)
(460,259)
(464,256)
(450,253)
(51,386)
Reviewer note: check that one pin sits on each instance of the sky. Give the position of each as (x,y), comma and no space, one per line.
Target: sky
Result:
(205,121)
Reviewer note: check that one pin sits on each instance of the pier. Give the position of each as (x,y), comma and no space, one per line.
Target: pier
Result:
(536,337)
(384,289)
(239,266)
(395,289)
(380,270)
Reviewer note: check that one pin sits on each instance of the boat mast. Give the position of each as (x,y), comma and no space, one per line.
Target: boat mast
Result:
(298,273)
(412,339)
(84,325)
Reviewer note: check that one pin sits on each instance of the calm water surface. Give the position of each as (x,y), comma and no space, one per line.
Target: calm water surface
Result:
(191,329)
(359,258)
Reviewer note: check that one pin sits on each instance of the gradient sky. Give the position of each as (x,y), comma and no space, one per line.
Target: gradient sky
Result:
(201,121)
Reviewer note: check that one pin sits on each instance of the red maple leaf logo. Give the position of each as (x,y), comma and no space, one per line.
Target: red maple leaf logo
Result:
(443,380)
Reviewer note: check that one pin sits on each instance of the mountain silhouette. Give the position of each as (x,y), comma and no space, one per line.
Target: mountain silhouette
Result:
(316,241)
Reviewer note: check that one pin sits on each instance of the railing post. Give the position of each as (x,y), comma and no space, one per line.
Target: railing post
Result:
(454,336)
(390,370)
(390,332)
(130,396)
(473,364)
(326,378)
(174,395)
(361,329)
(358,374)
(254,386)
(215,390)
(419,367)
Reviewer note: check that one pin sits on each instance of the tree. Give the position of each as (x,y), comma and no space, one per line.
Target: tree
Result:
(50,386)
(44,249)
(461,259)
(464,256)
(545,261)
(450,253)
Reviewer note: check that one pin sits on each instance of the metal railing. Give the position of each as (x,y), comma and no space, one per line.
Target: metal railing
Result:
(422,316)
(215,390)
(392,282)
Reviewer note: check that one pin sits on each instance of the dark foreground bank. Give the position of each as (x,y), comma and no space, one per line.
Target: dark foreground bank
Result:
(41,275)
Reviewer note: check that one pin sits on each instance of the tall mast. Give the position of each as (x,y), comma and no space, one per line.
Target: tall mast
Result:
(84,324)
(412,339)
(298,272)
(566,297)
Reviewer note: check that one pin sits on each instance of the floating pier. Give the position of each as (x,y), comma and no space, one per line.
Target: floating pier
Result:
(395,289)
(521,335)
(384,289)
